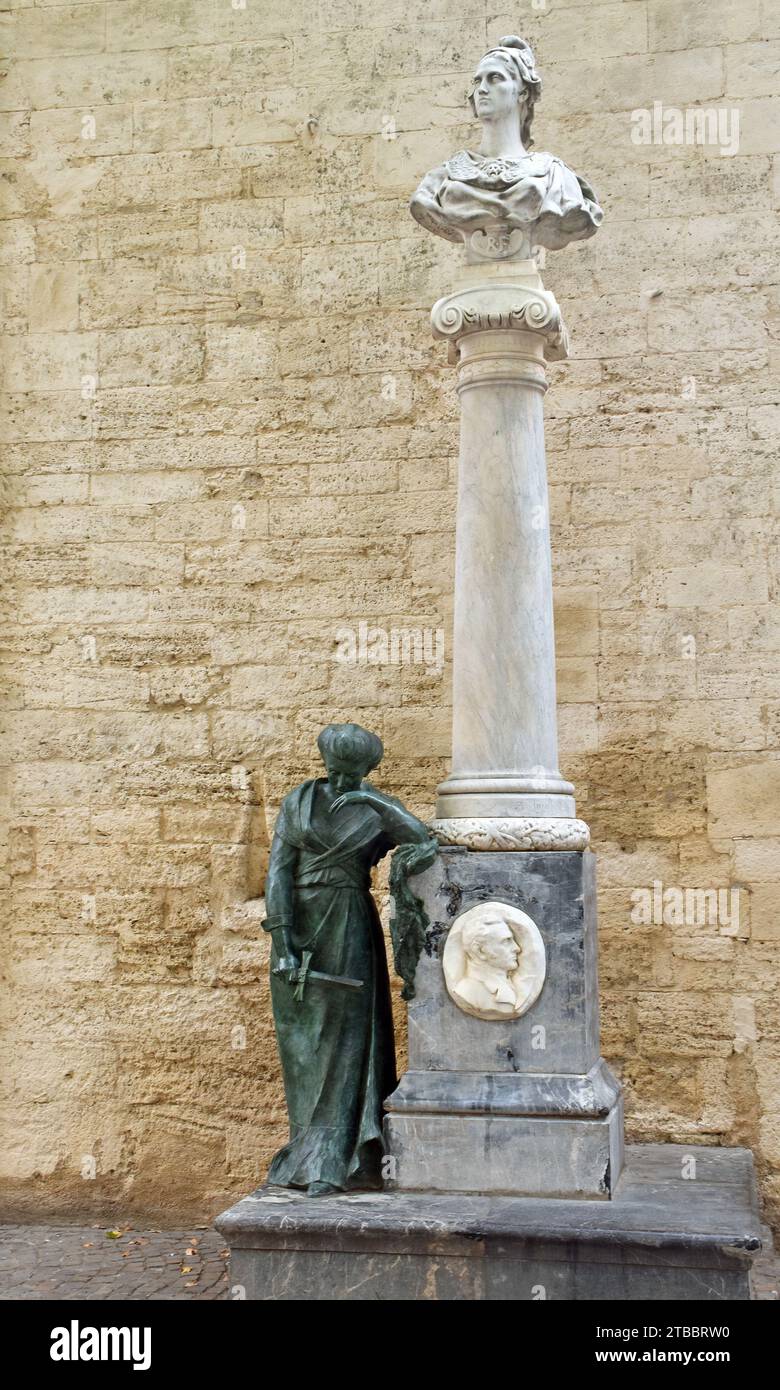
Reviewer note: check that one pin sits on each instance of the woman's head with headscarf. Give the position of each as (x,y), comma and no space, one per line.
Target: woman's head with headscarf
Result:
(506,78)
(349,752)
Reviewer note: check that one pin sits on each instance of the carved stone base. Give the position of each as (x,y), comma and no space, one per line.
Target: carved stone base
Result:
(660,1238)
(512,1102)
(514,832)
(558,1150)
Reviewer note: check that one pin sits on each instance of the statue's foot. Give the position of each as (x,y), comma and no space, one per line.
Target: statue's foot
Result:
(321,1189)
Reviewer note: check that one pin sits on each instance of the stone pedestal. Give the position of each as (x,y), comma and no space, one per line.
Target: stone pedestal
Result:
(662,1237)
(524,1105)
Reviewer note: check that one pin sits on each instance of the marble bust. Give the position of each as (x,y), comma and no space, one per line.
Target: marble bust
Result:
(502,199)
(494,962)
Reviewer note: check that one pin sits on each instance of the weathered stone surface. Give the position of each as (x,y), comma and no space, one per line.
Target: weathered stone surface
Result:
(557,890)
(522,1105)
(543,1157)
(661,1238)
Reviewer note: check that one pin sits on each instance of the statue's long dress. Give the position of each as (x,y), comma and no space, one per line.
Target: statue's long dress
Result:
(336,1046)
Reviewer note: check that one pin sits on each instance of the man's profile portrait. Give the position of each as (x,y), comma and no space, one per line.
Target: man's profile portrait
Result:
(494,961)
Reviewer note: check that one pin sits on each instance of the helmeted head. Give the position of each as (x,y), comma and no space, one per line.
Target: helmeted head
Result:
(349,753)
(505,79)
(490,941)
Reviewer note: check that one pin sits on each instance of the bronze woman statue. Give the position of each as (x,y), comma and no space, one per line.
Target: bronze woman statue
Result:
(329,976)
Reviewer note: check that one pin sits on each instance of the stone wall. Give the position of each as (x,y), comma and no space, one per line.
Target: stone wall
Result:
(230,437)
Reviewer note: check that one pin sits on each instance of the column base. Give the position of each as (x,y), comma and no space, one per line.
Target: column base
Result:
(540,796)
(512,832)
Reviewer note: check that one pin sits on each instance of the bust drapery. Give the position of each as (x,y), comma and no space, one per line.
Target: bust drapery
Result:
(535,193)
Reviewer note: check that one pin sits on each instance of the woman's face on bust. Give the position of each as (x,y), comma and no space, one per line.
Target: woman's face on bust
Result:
(496,91)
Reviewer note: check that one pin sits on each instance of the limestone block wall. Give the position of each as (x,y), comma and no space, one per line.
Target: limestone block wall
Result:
(229,441)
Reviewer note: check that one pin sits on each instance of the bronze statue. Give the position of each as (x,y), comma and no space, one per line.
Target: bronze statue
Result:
(329,978)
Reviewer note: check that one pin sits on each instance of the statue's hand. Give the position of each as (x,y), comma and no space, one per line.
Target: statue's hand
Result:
(287,967)
(362,794)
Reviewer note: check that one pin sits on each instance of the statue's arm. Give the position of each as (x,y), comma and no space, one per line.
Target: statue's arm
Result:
(572,199)
(426,209)
(279,899)
(398,823)
(587,189)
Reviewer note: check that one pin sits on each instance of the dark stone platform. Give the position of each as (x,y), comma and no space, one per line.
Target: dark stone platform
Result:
(662,1236)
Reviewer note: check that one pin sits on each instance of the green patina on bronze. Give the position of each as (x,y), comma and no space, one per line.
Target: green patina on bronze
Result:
(329,979)
(409,922)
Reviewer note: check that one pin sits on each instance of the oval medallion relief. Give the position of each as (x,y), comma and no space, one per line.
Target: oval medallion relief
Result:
(494,961)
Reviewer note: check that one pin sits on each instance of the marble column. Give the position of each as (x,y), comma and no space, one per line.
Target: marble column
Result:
(505,790)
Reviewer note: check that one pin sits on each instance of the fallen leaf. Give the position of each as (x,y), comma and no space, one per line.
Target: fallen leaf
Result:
(186,1269)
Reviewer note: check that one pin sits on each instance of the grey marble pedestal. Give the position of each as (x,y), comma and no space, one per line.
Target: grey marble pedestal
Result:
(525,1106)
(662,1236)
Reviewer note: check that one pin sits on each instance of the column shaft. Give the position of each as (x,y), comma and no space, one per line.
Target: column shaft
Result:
(505,753)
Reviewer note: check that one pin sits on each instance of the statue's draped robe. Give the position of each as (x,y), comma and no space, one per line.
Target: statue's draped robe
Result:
(336,1045)
(536,192)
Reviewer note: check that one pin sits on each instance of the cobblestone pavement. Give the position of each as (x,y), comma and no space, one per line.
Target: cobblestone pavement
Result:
(74,1262)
